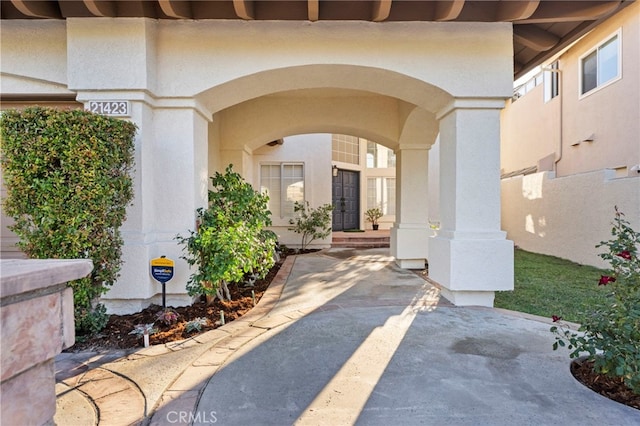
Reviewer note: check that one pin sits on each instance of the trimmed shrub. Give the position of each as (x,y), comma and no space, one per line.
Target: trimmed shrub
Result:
(68,179)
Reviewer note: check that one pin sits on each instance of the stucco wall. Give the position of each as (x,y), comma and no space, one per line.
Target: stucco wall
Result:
(533,129)
(314,151)
(567,216)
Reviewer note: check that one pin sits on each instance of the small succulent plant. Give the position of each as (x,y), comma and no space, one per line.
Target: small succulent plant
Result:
(142,329)
(167,316)
(196,324)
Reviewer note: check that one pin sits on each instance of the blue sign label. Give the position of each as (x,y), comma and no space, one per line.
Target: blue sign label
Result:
(162,269)
(162,273)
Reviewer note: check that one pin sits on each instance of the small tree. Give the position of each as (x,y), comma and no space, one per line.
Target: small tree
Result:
(311,223)
(231,240)
(68,183)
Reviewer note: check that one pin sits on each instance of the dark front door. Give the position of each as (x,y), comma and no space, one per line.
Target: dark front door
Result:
(346,200)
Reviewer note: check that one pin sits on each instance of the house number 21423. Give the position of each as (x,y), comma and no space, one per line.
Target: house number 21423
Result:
(115,108)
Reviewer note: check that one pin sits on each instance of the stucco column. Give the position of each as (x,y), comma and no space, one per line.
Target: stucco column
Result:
(469,255)
(410,231)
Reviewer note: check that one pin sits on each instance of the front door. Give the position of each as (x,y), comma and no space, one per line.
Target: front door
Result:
(346,200)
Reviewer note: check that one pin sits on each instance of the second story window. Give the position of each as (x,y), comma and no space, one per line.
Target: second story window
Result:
(601,65)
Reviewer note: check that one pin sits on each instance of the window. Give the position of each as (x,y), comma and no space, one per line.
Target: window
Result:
(381,193)
(284,184)
(601,65)
(345,149)
(379,156)
(551,81)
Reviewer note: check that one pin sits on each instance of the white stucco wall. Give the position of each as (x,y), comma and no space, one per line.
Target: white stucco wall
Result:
(206,92)
(314,151)
(567,216)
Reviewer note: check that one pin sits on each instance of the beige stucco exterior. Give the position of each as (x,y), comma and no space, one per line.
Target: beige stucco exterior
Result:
(208,93)
(589,144)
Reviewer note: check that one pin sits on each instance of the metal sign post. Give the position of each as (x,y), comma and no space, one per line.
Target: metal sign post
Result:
(162,270)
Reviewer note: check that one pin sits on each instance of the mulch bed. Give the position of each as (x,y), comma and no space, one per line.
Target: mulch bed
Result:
(610,387)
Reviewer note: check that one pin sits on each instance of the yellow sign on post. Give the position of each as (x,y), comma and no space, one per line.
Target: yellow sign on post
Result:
(162,270)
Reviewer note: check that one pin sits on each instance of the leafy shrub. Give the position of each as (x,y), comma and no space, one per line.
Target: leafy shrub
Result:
(611,335)
(68,183)
(311,223)
(231,239)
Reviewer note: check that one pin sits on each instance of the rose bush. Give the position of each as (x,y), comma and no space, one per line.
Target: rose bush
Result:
(611,335)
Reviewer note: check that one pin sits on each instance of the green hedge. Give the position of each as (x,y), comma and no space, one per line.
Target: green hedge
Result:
(68,179)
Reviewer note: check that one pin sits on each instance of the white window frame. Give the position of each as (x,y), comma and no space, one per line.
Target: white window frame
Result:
(551,77)
(599,87)
(282,188)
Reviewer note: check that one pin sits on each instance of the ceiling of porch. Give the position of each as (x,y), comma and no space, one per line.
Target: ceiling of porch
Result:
(541,27)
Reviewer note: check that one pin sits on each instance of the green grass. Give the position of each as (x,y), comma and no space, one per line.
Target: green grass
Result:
(547,285)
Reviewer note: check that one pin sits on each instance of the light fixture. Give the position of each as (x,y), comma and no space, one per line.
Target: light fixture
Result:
(334,170)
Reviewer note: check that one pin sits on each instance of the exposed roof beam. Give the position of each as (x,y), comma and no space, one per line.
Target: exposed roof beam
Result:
(448,10)
(381,10)
(534,37)
(101,8)
(176,8)
(37,9)
(313,6)
(516,10)
(567,11)
(244,9)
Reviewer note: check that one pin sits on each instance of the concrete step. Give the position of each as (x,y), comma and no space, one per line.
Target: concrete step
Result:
(360,242)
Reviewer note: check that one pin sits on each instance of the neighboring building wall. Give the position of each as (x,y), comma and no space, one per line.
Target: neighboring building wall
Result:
(567,216)
(567,211)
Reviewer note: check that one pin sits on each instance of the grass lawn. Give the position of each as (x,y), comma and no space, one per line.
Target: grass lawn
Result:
(547,285)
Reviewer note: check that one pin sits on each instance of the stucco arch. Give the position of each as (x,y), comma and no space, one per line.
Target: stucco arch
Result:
(258,121)
(373,80)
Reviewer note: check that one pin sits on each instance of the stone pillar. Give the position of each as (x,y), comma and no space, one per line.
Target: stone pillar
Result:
(410,231)
(36,313)
(470,256)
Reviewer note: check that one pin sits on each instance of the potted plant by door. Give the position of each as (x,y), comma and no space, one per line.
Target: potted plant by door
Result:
(372,215)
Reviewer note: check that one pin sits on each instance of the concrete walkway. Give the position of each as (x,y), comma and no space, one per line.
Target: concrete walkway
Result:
(342,337)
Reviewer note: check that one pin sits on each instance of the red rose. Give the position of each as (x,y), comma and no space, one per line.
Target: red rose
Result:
(604,280)
(625,254)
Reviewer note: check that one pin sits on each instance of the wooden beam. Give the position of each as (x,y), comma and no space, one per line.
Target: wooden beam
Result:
(100,8)
(571,11)
(178,9)
(38,9)
(510,10)
(244,9)
(448,10)
(313,6)
(534,37)
(380,10)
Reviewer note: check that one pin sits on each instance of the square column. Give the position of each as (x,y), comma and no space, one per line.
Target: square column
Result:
(410,231)
(470,256)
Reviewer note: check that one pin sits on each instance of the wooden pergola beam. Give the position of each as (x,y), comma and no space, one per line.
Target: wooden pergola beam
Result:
(509,10)
(244,9)
(380,10)
(534,37)
(176,8)
(38,9)
(101,8)
(448,10)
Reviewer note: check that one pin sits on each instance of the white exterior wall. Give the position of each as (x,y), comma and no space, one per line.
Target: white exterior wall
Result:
(206,92)
(314,151)
(567,216)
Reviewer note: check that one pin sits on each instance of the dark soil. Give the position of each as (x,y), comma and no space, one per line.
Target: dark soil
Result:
(610,387)
(116,334)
